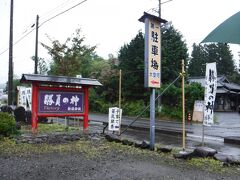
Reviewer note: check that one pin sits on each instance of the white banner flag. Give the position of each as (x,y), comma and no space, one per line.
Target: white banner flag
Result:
(210,93)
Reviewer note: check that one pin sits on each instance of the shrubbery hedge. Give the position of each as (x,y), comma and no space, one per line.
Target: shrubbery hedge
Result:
(7,124)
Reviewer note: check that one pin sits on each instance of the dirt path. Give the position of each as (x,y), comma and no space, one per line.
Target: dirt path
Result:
(112,166)
(100,160)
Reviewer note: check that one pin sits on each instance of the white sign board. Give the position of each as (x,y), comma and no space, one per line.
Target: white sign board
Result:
(210,93)
(152,53)
(25,97)
(198,106)
(198,111)
(114,119)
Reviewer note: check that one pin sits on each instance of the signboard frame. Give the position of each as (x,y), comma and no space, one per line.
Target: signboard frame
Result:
(60,89)
(114,119)
(36,88)
(51,102)
(152,59)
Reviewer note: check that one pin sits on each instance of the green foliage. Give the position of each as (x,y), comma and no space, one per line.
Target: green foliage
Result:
(134,108)
(7,124)
(196,65)
(72,57)
(99,105)
(131,58)
(42,65)
(174,50)
(219,53)
(172,99)
(171,112)
(207,163)
(193,91)
(235,77)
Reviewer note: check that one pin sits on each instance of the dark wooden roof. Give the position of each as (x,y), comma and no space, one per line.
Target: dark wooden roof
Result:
(149,16)
(60,80)
(222,82)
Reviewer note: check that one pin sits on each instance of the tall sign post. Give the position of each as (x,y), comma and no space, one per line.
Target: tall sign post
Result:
(152,63)
(209,95)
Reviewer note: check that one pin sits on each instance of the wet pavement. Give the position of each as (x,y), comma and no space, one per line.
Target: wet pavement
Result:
(227,125)
(169,133)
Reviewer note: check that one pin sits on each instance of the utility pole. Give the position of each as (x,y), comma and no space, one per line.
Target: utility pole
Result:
(10,66)
(36,47)
(159,8)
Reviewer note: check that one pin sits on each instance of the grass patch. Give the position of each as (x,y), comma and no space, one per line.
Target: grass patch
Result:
(207,163)
(49,128)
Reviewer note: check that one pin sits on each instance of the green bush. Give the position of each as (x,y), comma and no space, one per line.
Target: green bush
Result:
(171,112)
(172,99)
(7,124)
(134,108)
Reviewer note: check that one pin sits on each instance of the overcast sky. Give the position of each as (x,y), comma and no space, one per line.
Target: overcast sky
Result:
(105,23)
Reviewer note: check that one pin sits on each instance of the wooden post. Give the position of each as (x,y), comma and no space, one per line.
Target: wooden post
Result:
(85,117)
(34,107)
(119,100)
(183,105)
(120,87)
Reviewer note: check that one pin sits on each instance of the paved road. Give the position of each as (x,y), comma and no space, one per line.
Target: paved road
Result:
(170,132)
(228,124)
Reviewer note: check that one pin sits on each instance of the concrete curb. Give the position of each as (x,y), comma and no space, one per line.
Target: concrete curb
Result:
(232,140)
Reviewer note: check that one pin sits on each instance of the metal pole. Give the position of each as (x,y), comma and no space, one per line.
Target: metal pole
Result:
(10,66)
(152,119)
(36,47)
(183,105)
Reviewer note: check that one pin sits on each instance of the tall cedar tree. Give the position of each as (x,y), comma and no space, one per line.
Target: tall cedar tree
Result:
(196,64)
(131,57)
(219,53)
(131,61)
(174,50)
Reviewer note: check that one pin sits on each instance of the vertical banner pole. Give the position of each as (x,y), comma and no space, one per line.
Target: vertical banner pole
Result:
(152,119)
(120,94)
(183,105)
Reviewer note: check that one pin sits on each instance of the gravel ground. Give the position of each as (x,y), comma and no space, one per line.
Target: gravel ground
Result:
(98,159)
(112,166)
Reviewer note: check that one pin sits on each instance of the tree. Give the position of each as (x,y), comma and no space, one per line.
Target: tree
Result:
(131,61)
(72,57)
(42,65)
(174,50)
(215,52)
(224,58)
(196,65)
(131,57)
